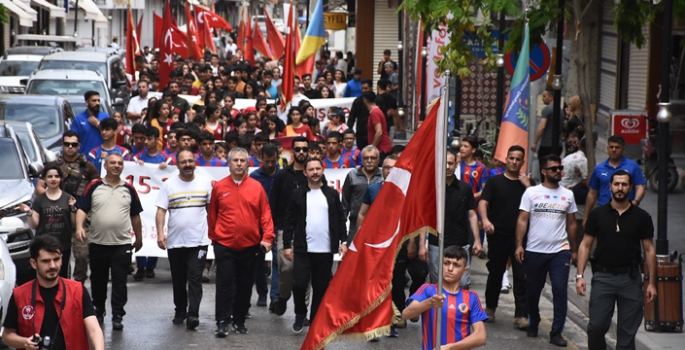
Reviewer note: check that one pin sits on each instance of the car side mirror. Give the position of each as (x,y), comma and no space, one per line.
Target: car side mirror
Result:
(118,101)
(24,81)
(35,169)
(50,156)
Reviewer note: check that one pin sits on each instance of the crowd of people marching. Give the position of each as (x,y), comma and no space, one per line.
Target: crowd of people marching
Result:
(285,206)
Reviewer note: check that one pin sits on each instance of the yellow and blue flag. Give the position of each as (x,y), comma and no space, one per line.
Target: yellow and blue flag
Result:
(514,127)
(315,36)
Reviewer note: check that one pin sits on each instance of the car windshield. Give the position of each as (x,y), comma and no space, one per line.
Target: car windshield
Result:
(9,158)
(83,65)
(17,68)
(45,119)
(65,87)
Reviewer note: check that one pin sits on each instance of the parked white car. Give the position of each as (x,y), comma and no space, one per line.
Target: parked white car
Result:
(8,275)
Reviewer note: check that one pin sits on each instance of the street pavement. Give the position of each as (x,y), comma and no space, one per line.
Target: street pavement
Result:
(147,324)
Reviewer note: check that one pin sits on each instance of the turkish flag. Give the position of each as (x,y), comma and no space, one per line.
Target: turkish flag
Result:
(194,49)
(132,45)
(166,48)
(241,28)
(276,41)
(289,63)
(139,27)
(180,38)
(203,29)
(358,302)
(259,42)
(248,53)
(213,20)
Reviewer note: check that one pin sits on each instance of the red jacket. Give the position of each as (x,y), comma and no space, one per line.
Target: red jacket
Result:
(73,327)
(237,212)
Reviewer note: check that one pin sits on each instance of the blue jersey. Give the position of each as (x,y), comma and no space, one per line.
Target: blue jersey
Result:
(355,154)
(495,171)
(98,154)
(214,162)
(475,175)
(459,312)
(371,193)
(90,136)
(253,161)
(156,159)
(600,180)
(342,163)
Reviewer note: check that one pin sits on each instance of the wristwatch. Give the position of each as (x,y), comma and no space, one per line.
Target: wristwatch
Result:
(579,277)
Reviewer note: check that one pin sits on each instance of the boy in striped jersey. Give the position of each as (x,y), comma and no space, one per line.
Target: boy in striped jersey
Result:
(108,130)
(461,309)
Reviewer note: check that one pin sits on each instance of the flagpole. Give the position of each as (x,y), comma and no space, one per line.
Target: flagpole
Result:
(441,176)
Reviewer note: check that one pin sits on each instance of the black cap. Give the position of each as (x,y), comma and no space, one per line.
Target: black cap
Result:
(357,71)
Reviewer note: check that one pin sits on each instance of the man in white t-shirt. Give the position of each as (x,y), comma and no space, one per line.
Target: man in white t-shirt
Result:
(547,212)
(186,198)
(136,104)
(315,230)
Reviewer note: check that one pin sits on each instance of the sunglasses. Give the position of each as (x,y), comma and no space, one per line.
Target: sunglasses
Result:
(301,149)
(555,168)
(70,144)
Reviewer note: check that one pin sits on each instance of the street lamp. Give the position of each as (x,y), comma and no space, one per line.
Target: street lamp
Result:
(399,46)
(424,52)
(557,83)
(500,60)
(664,115)
(400,96)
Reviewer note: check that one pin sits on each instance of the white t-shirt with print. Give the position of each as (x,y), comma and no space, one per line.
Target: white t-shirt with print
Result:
(575,169)
(547,224)
(186,204)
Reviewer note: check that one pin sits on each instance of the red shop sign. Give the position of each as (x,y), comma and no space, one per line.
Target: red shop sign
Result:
(632,125)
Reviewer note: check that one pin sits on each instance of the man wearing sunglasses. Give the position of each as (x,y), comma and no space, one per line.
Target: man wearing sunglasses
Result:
(77,174)
(547,213)
(286,181)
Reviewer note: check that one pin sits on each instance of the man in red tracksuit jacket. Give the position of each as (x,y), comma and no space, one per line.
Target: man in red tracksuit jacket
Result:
(51,306)
(238,209)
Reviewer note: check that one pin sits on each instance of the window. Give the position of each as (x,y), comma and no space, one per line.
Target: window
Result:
(17,68)
(45,119)
(9,158)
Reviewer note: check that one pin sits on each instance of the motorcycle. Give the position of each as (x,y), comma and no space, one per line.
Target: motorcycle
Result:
(650,163)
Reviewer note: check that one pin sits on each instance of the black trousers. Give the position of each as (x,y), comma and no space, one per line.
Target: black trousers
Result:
(260,275)
(500,249)
(103,259)
(66,255)
(399,279)
(234,279)
(186,266)
(314,267)
(362,142)
(418,271)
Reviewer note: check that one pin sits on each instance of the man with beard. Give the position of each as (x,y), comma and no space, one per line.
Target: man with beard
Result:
(114,210)
(620,227)
(499,209)
(87,123)
(240,225)
(287,180)
(75,323)
(138,103)
(316,227)
(359,114)
(186,198)
(179,104)
(551,244)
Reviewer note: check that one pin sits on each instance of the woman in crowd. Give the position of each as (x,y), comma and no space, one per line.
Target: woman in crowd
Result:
(251,90)
(53,212)
(339,84)
(252,121)
(214,123)
(295,125)
(274,126)
(160,118)
(326,92)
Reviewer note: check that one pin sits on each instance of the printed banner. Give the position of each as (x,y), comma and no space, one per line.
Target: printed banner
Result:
(148,178)
(434,80)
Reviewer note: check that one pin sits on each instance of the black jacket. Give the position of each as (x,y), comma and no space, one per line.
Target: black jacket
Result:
(296,220)
(286,181)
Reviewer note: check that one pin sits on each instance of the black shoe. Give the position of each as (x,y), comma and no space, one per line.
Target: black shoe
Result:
(272,304)
(299,324)
(192,322)
(100,316)
(140,274)
(116,323)
(306,322)
(532,332)
(130,269)
(179,316)
(150,273)
(222,329)
(247,315)
(280,307)
(240,328)
(558,340)
(261,301)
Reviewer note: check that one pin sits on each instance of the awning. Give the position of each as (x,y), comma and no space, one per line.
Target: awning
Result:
(26,7)
(25,19)
(48,38)
(55,11)
(93,12)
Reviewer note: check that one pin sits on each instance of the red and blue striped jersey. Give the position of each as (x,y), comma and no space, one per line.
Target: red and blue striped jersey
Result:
(475,175)
(496,171)
(98,154)
(342,163)
(199,161)
(159,158)
(355,154)
(253,161)
(459,312)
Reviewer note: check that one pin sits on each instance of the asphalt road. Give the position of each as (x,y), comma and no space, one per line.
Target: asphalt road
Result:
(150,310)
